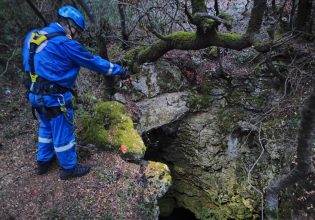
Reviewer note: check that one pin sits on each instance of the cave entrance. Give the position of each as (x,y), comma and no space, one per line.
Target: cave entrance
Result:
(158,140)
(180,214)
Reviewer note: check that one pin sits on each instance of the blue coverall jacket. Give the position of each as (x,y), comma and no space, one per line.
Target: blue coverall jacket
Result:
(59,60)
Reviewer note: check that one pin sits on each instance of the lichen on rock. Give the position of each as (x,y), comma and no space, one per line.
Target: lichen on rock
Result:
(110,127)
(159,179)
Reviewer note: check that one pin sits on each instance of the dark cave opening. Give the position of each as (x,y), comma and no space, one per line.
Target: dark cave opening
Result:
(180,214)
(157,140)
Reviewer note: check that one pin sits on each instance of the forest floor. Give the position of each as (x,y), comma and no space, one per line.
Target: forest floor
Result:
(112,190)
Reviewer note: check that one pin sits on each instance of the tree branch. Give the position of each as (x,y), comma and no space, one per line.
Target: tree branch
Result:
(205,36)
(215,18)
(124,33)
(37,12)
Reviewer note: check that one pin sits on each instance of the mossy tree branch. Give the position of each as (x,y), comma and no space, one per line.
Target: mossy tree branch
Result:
(205,36)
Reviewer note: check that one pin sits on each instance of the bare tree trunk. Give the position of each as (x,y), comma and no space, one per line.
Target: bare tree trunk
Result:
(292,13)
(256,16)
(304,164)
(216,7)
(102,45)
(87,10)
(304,15)
(37,12)
(124,34)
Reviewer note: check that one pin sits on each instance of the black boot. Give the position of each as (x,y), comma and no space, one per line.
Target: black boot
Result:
(79,170)
(43,167)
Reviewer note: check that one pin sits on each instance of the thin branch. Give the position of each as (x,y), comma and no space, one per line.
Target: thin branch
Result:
(7,64)
(155,33)
(250,171)
(37,12)
(5,45)
(174,17)
(215,18)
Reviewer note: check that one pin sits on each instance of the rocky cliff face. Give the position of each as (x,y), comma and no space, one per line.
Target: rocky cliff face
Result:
(211,136)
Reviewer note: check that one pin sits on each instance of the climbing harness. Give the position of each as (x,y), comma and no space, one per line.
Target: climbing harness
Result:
(37,84)
(40,86)
(63,109)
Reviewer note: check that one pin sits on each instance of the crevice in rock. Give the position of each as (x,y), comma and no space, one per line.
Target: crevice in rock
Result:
(180,214)
(158,139)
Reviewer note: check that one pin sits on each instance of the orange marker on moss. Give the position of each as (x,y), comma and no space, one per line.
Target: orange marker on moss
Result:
(123,148)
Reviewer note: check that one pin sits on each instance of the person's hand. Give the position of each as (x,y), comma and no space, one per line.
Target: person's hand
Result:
(124,75)
(125,78)
(127,81)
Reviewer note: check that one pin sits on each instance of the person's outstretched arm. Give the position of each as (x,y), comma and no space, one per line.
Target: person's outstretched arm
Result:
(78,54)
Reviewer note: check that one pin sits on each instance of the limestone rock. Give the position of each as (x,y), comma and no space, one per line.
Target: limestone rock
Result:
(208,181)
(162,110)
(159,180)
(157,78)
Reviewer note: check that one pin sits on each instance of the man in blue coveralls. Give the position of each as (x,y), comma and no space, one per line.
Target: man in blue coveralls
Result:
(52,60)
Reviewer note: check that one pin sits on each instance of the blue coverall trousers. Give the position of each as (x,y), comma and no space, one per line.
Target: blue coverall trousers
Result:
(56,136)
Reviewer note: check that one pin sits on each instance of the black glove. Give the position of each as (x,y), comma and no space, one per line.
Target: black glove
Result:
(124,74)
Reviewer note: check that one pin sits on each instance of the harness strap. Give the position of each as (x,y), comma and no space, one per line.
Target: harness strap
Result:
(36,40)
(39,85)
(51,112)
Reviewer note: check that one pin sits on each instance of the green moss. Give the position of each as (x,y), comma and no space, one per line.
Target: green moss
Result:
(257,101)
(228,118)
(159,170)
(199,102)
(203,98)
(198,6)
(131,56)
(221,201)
(213,52)
(240,97)
(144,51)
(206,87)
(182,36)
(207,23)
(236,96)
(227,37)
(226,17)
(110,127)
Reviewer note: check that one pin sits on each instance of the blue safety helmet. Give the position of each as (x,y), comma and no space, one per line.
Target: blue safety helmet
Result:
(74,14)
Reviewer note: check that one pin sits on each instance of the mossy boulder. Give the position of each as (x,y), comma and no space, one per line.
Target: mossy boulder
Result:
(159,172)
(158,177)
(158,180)
(109,126)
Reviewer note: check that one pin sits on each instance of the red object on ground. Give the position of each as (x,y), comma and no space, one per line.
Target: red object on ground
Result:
(123,148)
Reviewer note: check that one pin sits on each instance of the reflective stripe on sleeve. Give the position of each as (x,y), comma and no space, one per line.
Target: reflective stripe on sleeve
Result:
(44,140)
(65,148)
(111,67)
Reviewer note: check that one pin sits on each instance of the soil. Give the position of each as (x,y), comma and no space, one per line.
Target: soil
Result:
(112,190)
